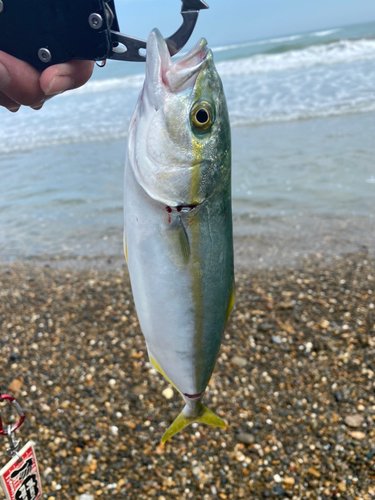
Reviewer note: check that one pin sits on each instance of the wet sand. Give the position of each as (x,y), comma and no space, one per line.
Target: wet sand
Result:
(294,380)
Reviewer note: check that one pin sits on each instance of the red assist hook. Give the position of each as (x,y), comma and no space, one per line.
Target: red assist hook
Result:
(17,407)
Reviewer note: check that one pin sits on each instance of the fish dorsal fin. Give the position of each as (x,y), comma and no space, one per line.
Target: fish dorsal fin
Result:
(179,243)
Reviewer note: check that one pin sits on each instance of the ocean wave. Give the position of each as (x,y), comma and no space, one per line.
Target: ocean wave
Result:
(312,82)
(281,39)
(135,81)
(283,116)
(344,51)
(238,118)
(326,33)
(333,53)
(269,41)
(30,143)
(94,86)
(231,47)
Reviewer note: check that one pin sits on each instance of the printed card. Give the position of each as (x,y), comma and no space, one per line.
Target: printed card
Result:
(20,479)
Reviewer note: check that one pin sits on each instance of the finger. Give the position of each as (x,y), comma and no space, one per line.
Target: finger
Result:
(38,106)
(65,76)
(8,103)
(20,81)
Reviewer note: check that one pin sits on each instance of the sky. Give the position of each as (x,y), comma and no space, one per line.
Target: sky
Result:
(230,21)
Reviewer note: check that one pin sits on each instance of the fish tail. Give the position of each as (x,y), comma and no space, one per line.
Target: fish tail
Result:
(204,416)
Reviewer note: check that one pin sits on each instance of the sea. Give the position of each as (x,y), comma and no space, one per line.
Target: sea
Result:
(302,111)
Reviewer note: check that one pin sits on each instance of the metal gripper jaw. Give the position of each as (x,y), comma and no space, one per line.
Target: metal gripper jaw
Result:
(46,32)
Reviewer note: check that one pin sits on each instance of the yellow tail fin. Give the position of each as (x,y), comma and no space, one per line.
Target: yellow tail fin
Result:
(204,416)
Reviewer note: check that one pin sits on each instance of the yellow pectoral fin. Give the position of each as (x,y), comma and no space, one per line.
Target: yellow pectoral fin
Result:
(205,416)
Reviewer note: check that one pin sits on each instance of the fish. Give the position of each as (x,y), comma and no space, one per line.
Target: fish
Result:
(178,236)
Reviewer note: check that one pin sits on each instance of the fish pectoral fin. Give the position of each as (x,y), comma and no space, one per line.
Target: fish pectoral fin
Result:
(180,246)
(205,416)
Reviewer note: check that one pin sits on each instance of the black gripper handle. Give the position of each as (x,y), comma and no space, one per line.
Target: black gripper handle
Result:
(46,32)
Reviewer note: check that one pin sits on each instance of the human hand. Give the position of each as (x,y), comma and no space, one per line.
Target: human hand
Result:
(21,84)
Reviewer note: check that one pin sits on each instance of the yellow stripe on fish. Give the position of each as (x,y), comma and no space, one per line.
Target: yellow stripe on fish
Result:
(195,262)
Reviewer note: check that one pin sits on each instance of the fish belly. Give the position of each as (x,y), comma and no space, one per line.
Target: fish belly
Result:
(182,307)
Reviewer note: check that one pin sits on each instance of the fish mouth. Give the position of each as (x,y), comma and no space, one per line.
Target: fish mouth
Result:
(194,58)
(194,396)
(161,71)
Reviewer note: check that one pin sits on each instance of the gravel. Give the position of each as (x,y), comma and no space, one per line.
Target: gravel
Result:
(294,380)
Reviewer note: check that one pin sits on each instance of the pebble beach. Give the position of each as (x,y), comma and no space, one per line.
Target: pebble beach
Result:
(294,381)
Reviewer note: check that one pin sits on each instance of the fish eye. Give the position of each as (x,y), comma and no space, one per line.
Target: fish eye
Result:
(202,116)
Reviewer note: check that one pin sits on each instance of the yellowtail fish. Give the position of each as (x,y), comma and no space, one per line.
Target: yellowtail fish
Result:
(178,220)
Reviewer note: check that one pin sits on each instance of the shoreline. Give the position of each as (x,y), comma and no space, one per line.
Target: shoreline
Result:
(270,249)
(294,380)
(312,194)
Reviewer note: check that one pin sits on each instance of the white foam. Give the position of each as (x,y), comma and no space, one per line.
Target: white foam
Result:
(326,33)
(344,51)
(269,41)
(305,114)
(233,47)
(285,39)
(259,42)
(31,143)
(108,85)
(317,81)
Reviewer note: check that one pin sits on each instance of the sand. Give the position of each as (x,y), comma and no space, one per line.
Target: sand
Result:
(294,380)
